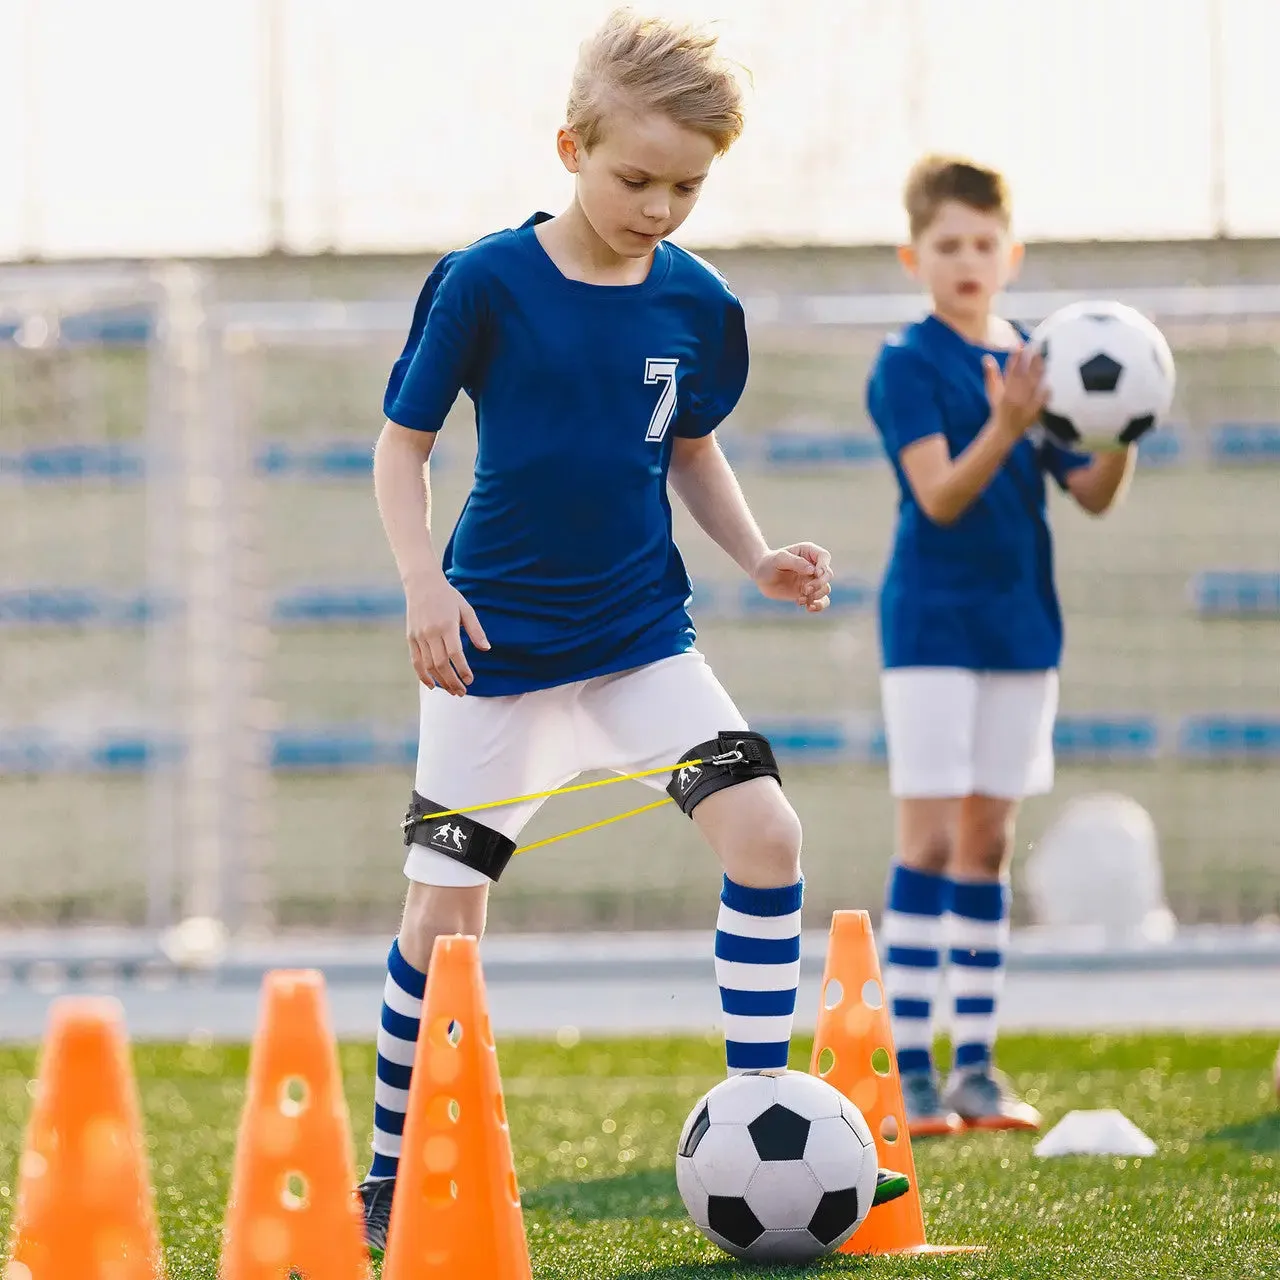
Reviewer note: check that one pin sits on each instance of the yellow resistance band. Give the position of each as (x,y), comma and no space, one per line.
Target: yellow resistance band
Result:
(725,758)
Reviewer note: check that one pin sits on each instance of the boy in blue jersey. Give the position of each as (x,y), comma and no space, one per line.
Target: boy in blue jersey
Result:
(553,636)
(970,630)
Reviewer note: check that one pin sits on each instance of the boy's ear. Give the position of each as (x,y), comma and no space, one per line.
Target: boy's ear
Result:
(907,256)
(569,148)
(1017,251)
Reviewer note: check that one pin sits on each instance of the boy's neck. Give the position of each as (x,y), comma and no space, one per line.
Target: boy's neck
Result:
(975,327)
(571,242)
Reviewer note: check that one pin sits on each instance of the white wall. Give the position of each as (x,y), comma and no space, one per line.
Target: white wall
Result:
(139,127)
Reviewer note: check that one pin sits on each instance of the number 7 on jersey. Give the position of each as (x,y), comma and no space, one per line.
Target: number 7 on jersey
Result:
(661,372)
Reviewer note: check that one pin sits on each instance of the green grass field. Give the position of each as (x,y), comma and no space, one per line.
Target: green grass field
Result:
(595,1126)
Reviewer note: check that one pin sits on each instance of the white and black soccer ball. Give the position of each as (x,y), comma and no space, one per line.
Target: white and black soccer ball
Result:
(776,1167)
(1109,373)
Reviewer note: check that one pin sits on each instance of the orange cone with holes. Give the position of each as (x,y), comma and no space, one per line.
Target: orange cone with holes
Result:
(292,1208)
(84,1203)
(457,1205)
(853,1050)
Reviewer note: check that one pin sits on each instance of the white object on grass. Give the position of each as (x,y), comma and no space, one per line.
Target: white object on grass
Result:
(1106,1132)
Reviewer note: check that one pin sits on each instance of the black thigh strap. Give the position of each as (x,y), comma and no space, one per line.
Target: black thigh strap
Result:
(736,755)
(458,837)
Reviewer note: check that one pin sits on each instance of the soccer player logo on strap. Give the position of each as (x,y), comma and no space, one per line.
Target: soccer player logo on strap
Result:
(552,634)
(970,629)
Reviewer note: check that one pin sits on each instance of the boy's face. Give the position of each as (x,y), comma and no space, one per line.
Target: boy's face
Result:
(641,179)
(964,257)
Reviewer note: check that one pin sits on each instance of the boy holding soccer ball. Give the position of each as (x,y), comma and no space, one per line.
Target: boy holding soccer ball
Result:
(970,629)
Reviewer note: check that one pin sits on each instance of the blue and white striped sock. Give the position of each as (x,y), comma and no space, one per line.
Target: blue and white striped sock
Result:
(978,935)
(397,1042)
(912,931)
(758,969)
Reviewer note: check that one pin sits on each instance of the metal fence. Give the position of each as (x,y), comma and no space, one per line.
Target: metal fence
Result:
(205,702)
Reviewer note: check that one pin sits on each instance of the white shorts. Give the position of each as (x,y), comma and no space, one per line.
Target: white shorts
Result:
(472,750)
(953,732)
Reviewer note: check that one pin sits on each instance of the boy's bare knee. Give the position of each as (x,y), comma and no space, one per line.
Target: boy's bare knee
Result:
(982,856)
(984,841)
(927,834)
(931,852)
(438,911)
(767,853)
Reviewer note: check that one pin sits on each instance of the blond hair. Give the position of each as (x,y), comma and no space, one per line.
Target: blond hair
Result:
(936,179)
(652,64)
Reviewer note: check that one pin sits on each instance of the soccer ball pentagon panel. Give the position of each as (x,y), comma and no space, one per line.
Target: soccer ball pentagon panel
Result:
(1109,374)
(776,1167)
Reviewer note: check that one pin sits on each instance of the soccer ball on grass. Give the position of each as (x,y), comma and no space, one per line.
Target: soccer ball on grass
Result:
(776,1167)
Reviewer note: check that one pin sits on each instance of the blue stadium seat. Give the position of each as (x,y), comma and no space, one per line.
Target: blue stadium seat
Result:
(34,752)
(128,327)
(1230,737)
(334,459)
(1245,443)
(362,604)
(821,449)
(124,753)
(1164,447)
(1078,738)
(74,607)
(62,463)
(324,749)
(24,753)
(342,747)
(1224,593)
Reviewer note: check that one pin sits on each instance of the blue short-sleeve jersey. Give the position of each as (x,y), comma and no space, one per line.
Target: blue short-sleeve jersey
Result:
(564,547)
(977,594)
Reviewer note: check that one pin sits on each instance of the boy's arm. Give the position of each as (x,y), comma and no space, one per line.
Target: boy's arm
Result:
(402,487)
(434,610)
(1099,486)
(947,487)
(440,355)
(703,480)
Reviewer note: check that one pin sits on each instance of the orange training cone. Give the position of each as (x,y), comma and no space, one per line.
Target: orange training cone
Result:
(457,1206)
(853,1050)
(292,1207)
(84,1204)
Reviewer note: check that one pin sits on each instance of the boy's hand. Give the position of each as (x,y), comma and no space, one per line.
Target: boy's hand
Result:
(800,572)
(435,614)
(1018,397)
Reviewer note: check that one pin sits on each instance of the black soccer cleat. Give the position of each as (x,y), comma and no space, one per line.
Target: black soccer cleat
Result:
(889,1186)
(375,1196)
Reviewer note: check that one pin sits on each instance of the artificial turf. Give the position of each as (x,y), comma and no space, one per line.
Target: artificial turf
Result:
(594,1129)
